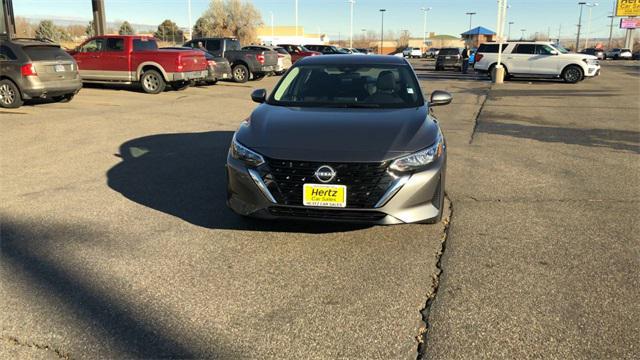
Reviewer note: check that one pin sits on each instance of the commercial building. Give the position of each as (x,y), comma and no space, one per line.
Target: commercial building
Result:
(479,35)
(288,35)
(437,41)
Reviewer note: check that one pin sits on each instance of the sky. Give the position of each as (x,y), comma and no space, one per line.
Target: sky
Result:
(332,16)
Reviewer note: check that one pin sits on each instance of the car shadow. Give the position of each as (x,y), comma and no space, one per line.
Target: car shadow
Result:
(184,175)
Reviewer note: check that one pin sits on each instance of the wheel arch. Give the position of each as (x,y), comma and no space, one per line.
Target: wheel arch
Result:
(150,65)
(579,66)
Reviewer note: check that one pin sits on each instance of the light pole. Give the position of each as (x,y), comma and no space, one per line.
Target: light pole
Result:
(509,33)
(586,41)
(424,29)
(351,2)
(382,29)
(581,3)
(296,19)
(189,14)
(522,36)
(498,75)
(470,18)
(272,32)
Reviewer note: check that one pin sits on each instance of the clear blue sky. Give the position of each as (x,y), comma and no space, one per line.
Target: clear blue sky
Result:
(332,16)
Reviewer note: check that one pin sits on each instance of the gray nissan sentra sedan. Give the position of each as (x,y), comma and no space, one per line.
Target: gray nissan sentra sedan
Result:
(341,138)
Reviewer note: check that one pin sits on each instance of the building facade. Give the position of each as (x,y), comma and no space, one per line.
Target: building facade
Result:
(288,35)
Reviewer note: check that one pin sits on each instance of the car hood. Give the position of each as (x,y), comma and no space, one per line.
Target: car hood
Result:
(336,135)
(580,56)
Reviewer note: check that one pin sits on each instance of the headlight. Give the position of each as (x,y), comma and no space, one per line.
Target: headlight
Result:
(421,158)
(242,153)
(591,61)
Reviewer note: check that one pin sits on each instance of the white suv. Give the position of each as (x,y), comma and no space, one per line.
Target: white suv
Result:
(412,52)
(537,59)
(618,53)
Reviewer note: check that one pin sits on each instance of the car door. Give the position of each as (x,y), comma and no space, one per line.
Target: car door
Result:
(9,64)
(115,61)
(545,61)
(88,59)
(517,62)
(214,47)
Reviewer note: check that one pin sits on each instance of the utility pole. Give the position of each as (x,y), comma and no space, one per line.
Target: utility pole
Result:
(351,2)
(581,3)
(610,31)
(189,14)
(382,29)
(424,30)
(591,6)
(470,18)
(559,32)
(523,31)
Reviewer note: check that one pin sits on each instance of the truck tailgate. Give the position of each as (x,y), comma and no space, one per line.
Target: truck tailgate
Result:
(192,61)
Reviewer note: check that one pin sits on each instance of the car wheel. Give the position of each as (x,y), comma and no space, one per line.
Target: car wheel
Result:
(240,74)
(572,74)
(9,95)
(64,98)
(152,82)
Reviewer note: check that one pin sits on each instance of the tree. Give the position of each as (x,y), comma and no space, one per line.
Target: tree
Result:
(47,30)
(169,31)
(126,29)
(90,29)
(237,18)
(23,27)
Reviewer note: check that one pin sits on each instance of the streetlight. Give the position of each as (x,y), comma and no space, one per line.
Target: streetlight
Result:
(586,41)
(189,14)
(509,33)
(581,3)
(470,17)
(351,2)
(424,28)
(382,29)
(522,36)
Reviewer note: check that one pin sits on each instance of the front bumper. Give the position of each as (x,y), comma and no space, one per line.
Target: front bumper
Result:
(419,199)
(592,70)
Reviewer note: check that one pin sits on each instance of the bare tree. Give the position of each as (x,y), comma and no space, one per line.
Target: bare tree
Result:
(237,18)
(24,28)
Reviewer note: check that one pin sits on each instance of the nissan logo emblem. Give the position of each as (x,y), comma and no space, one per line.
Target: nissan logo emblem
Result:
(325,173)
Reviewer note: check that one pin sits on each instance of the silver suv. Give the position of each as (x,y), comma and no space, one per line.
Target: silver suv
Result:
(32,68)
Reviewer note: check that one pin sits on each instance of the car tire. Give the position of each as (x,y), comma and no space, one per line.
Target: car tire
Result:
(572,74)
(10,96)
(240,73)
(152,82)
(64,98)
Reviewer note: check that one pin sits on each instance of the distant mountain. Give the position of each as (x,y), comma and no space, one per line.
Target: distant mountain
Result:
(142,28)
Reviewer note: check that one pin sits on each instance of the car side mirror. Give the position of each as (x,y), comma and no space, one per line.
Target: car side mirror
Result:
(439,98)
(259,95)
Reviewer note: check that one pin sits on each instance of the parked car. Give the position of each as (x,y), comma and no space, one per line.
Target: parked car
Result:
(326,49)
(618,53)
(284,59)
(412,52)
(598,53)
(636,55)
(432,52)
(449,58)
(31,69)
(137,59)
(218,68)
(383,163)
(298,52)
(245,64)
(537,59)
(365,51)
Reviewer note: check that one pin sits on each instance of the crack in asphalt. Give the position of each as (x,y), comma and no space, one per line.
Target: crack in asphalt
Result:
(15,341)
(528,200)
(477,117)
(422,336)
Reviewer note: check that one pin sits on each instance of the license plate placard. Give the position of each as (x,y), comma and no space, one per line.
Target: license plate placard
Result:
(327,195)
(58,68)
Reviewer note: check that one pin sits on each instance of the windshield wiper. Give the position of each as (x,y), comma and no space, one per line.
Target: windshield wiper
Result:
(362,106)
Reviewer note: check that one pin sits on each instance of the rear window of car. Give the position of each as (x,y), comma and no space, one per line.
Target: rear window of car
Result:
(44,52)
(233,45)
(449,52)
(490,48)
(525,49)
(144,45)
(115,44)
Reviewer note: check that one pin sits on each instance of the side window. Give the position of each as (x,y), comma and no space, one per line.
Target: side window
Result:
(525,49)
(115,44)
(144,44)
(7,54)
(545,50)
(213,45)
(94,45)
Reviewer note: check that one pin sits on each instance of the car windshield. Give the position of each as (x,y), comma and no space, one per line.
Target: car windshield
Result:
(349,85)
(561,49)
(625,50)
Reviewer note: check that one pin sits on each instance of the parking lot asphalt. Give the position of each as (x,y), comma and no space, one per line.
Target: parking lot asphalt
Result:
(116,241)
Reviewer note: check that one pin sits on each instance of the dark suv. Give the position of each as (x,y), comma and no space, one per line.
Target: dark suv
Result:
(449,58)
(31,68)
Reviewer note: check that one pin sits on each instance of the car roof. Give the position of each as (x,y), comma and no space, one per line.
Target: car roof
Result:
(32,42)
(352,60)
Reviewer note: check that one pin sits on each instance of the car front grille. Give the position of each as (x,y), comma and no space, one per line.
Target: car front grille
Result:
(326,214)
(366,182)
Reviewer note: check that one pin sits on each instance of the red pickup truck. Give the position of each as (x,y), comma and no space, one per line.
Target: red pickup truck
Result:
(133,59)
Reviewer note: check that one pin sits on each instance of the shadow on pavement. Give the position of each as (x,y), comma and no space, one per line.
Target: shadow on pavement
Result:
(24,249)
(184,175)
(613,139)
